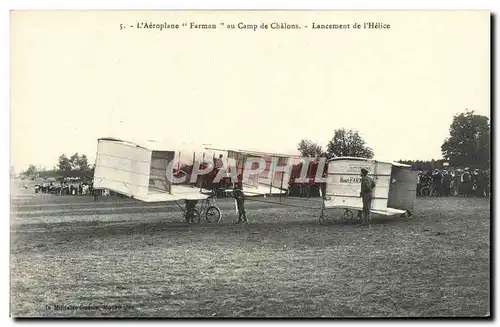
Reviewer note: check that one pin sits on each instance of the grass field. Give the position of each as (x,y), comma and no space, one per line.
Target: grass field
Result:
(142,260)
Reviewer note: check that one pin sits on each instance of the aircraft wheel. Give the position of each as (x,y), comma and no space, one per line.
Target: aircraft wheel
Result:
(348,215)
(213,214)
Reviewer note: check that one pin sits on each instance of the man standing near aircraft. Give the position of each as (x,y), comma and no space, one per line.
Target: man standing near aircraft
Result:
(366,194)
(190,211)
(239,196)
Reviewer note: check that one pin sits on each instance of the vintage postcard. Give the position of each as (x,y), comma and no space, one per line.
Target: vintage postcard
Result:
(271,164)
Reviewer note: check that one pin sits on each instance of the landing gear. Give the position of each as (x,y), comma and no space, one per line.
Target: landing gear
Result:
(322,218)
(348,215)
(192,216)
(213,214)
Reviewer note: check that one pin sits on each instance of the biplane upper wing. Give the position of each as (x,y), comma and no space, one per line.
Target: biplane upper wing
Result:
(268,182)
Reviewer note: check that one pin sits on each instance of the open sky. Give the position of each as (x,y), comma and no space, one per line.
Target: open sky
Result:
(75,76)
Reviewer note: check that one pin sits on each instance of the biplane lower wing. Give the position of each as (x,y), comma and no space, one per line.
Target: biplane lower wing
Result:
(389,212)
(179,192)
(383,212)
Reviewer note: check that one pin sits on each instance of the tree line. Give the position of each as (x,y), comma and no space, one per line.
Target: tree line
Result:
(468,145)
(345,143)
(74,166)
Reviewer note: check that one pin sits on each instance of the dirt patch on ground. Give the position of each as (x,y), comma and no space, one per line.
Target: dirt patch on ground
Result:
(117,258)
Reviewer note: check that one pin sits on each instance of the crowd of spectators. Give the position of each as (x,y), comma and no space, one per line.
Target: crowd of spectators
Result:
(454,182)
(67,187)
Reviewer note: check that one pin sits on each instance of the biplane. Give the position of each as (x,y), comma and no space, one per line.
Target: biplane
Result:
(140,169)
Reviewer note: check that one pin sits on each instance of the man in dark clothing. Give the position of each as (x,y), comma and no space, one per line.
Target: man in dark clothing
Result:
(239,196)
(367,186)
(218,163)
(190,211)
(485,183)
(466,182)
